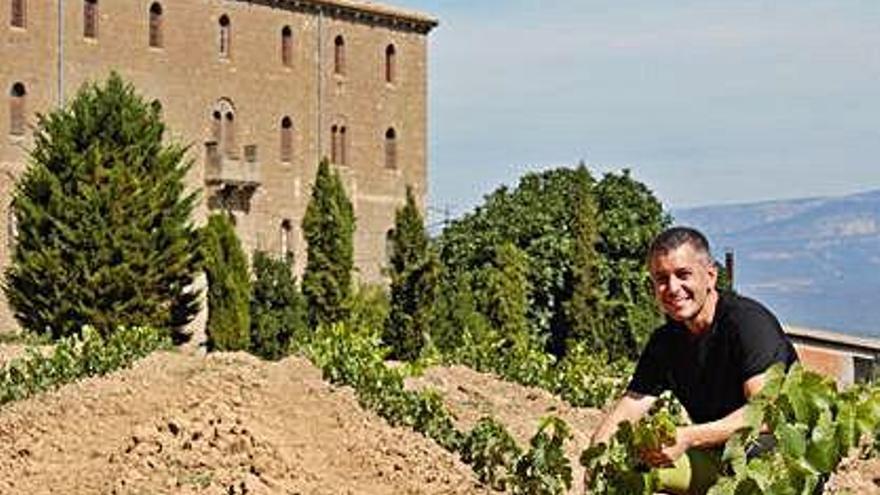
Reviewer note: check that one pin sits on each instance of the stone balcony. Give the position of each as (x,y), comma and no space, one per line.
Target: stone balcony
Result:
(229,171)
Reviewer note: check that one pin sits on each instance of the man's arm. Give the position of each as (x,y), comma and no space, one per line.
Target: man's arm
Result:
(630,407)
(709,434)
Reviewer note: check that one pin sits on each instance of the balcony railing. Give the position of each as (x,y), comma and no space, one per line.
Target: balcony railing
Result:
(225,170)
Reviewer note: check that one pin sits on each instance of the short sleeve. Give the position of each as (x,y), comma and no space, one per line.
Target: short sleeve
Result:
(650,377)
(763,342)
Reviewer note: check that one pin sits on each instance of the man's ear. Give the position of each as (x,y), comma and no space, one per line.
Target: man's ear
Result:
(712,270)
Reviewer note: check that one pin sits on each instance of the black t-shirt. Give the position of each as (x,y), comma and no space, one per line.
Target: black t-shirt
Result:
(706,373)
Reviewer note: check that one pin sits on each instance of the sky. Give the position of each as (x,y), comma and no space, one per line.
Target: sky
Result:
(707,102)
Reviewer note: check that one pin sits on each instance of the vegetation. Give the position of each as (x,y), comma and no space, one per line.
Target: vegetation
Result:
(229,290)
(414,270)
(104,233)
(328,226)
(76,357)
(277,311)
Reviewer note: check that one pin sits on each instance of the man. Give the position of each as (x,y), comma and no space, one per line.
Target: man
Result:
(711,353)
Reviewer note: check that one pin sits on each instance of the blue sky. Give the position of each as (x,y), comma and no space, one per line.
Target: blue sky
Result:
(705,101)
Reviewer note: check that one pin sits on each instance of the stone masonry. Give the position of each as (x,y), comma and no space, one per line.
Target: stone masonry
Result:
(225,87)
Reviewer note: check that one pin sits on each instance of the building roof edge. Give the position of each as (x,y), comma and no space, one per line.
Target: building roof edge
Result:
(425,21)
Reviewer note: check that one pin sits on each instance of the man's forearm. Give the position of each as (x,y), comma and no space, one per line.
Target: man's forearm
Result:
(713,433)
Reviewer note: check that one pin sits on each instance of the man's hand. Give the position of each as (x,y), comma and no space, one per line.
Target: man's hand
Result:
(667,456)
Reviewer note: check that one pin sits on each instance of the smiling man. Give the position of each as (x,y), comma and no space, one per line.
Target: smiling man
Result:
(711,353)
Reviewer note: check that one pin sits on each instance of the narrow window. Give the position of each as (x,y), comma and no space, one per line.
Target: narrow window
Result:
(391,149)
(225,37)
(11,226)
(17,16)
(285,238)
(156,25)
(339,55)
(286,46)
(390,61)
(286,139)
(343,147)
(217,126)
(334,144)
(90,18)
(229,135)
(17,97)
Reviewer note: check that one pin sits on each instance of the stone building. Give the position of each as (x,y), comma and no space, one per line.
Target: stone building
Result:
(261,90)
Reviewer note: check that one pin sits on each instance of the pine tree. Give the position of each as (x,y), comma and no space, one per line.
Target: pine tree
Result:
(277,309)
(229,290)
(104,232)
(414,270)
(328,227)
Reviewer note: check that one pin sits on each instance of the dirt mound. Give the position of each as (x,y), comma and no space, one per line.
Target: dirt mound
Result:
(231,424)
(225,424)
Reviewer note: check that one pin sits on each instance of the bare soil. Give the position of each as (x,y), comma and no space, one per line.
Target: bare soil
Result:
(231,424)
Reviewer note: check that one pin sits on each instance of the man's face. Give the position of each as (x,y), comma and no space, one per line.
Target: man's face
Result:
(683,278)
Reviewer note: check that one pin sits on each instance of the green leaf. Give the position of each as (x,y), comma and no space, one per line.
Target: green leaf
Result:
(792,439)
(822,451)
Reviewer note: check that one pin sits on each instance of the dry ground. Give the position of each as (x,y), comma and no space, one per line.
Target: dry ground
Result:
(231,424)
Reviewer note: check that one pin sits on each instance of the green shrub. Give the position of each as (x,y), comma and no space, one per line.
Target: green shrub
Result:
(369,309)
(277,309)
(492,453)
(229,290)
(76,357)
(104,231)
(328,226)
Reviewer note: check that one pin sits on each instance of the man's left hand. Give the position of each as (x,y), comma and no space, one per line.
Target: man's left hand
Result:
(667,456)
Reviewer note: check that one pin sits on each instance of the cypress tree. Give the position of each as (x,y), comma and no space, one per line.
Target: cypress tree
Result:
(328,227)
(277,309)
(228,326)
(582,309)
(104,231)
(414,271)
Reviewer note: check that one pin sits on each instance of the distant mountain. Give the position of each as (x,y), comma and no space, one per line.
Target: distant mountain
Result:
(815,261)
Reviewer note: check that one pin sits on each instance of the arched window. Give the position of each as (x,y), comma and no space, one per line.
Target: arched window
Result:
(17,16)
(223,128)
(286,151)
(90,18)
(334,144)
(391,148)
(229,135)
(286,46)
(17,100)
(390,63)
(343,147)
(11,226)
(225,37)
(286,244)
(339,55)
(156,25)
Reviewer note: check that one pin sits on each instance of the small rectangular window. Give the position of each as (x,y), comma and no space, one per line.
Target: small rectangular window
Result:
(90,19)
(17,15)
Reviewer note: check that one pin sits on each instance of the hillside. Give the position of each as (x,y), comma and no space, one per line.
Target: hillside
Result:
(814,261)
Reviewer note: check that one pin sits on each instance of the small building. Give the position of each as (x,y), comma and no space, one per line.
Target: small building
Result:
(846,358)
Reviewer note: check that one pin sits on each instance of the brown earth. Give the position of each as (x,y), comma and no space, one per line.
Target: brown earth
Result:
(231,424)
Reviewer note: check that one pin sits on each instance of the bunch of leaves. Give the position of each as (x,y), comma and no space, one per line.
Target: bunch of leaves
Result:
(369,308)
(104,220)
(491,452)
(585,378)
(328,227)
(355,358)
(76,357)
(617,468)
(540,218)
(229,286)
(544,469)
(277,310)
(815,426)
(414,269)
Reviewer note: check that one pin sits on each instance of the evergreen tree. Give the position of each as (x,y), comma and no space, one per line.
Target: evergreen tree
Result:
(104,232)
(414,270)
(229,290)
(328,227)
(582,310)
(277,309)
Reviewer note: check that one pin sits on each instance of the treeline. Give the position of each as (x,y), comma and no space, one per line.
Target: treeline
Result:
(543,284)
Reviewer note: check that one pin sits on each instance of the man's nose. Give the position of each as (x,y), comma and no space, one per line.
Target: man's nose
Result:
(674,284)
